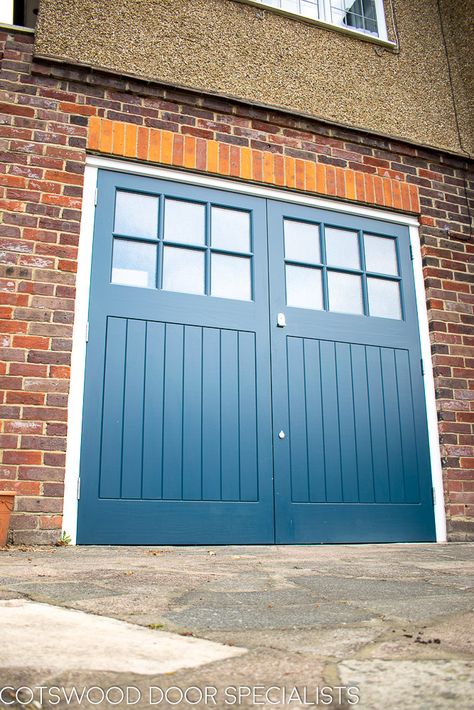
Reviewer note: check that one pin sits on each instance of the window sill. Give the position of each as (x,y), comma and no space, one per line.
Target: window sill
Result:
(354,33)
(4,26)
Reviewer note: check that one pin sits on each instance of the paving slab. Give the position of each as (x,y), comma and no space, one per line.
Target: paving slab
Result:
(393,620)
(336,642)
(72,640)
(425,685)
(420,609)
(54,592)
(364,589)
(267,616)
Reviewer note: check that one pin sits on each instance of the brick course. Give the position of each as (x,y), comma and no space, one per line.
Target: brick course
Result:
(388,189)
(51,114)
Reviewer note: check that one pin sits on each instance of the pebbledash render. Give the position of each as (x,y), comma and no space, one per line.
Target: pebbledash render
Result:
(60,115)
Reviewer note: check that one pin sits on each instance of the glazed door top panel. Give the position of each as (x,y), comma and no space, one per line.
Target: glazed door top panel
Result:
(192,250)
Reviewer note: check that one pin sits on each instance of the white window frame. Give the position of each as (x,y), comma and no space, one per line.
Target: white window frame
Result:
(325,19)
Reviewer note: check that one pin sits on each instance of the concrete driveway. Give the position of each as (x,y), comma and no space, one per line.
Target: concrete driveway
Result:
(373,626)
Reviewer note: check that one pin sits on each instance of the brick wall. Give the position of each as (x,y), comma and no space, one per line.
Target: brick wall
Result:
(50,113)
(298,169)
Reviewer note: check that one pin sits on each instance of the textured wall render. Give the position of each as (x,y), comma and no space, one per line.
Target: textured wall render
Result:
(239,50)
(49,113)
(458,26)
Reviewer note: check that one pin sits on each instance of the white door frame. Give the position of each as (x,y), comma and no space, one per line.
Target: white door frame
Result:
(78,358)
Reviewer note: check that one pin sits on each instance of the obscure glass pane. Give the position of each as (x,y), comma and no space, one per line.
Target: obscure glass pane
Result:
(342,248)
(134,263)
(230,277)
(302,242)
(183,270)
(308,8)
(380,255)
(184,222)
(337,16)
(290,5)
(384,298)
(345,293)
(304,287)
(230,229)
(136,215)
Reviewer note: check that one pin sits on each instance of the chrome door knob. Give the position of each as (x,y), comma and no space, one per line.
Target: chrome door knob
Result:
(281,435)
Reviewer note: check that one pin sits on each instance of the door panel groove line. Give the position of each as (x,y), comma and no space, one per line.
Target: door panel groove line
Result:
(354,419)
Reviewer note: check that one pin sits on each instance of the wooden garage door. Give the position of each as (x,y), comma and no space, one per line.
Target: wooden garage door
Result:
(253,373)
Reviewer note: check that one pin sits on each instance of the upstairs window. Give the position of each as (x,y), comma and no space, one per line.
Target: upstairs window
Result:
(22,13)
(365,16)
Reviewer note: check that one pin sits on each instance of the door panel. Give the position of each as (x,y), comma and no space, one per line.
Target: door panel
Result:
(177,421)
(347,386)
(344,425)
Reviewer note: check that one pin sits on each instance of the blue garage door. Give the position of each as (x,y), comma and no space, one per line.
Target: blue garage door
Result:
(253,373)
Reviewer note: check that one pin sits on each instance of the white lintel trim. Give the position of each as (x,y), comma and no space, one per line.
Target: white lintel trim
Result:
(246,188)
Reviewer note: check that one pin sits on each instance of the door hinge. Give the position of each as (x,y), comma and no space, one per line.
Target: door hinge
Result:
(78,488)
(87,332)
(96,194)
(433,495)
(422,367)
(411,252)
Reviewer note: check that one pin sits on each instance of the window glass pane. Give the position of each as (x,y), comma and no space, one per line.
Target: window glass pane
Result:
(302,242)
(310,8)
(183,270)
(380,255)
(230,277)
(230,229)
(358,14)
(384,298)
(345,293)
(362,15)
(6,12)
(342,248)
(136,215)
(304,287)
(134,263)
(290,5)
(184,222)
(337,16)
